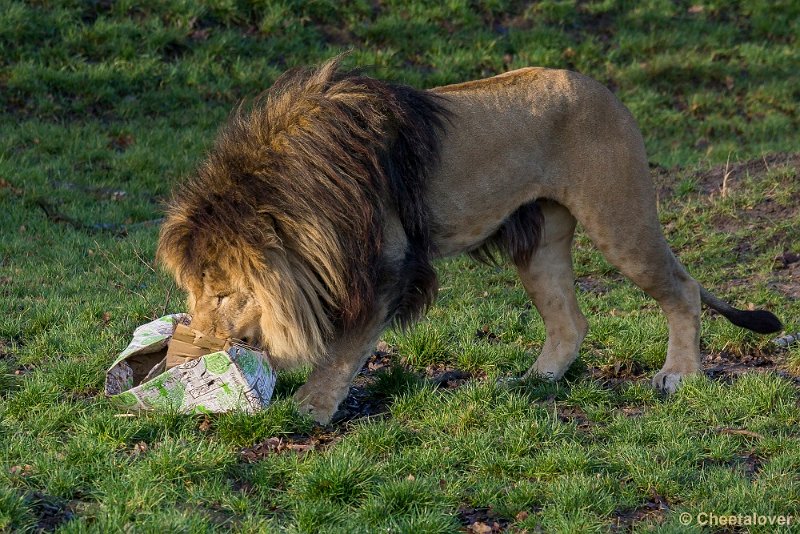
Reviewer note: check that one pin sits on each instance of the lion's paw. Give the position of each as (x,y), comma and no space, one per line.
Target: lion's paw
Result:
(547,370)
(311,404)
(667,381)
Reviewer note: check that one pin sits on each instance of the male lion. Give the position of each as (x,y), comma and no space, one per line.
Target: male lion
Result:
(312,223)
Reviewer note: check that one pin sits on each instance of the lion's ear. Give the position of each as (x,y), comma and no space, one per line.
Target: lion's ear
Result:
(293,321)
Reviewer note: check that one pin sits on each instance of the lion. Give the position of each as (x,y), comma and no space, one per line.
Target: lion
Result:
(312,223)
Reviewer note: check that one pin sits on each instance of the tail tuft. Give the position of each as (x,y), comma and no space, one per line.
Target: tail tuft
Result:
(760,321)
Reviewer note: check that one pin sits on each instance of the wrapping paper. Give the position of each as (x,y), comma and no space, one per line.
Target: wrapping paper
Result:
(239,378)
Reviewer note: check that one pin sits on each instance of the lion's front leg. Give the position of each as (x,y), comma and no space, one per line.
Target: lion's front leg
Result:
(329,381)
(550,281)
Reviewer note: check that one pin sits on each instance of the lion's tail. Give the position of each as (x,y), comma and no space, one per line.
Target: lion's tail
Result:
(760,321)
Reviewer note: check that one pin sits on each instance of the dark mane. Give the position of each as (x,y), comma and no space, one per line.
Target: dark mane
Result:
(306,174)
(518,237)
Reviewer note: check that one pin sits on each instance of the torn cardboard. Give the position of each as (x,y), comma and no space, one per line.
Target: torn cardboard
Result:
(207,375)
(189,344)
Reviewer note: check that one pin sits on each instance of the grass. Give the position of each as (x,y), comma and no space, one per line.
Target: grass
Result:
(104,105)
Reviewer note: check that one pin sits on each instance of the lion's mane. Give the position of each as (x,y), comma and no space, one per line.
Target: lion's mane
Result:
(291,199)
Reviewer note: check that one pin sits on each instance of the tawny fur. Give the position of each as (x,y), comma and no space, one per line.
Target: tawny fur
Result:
(312,224)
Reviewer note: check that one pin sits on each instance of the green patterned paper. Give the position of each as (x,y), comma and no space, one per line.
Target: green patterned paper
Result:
(240,378)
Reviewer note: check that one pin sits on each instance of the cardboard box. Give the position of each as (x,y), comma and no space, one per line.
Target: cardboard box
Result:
(189,344)
(210,375)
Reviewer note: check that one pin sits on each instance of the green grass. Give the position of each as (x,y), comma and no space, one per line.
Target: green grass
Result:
(104,105)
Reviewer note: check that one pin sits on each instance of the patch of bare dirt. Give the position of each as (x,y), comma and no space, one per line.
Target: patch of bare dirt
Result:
(380,359)
(749,463)
(362,399)
(711,182)
(481,520)
(784,277)
(361,402)
(51,512)
(654,510)
(291,444)
(787,260)
(568,413)
(574,414)
(632,411)
(484,333)
(726,366)
(592,284)
(618,373)
(447,377)
(762,215)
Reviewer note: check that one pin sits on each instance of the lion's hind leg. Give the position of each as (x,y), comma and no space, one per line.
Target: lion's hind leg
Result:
(632,241)
(549,280)
(660,275)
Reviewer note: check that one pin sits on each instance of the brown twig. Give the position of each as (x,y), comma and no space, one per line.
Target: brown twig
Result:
(123,273)
(144,262)
(169,297)
(56,216)
(740,432)
(108,259)
(119,230)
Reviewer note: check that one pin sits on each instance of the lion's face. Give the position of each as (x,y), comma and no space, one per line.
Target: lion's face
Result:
(224,309)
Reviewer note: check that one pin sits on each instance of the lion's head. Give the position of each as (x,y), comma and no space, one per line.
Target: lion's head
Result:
(242,282)
(278,237)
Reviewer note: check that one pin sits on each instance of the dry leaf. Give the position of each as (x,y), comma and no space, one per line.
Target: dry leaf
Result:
(139,448)
(120,142)
(479,527)
(5,184)
(200,35)
(205,424)
(300,447)
(20,470)
(729,82)
(741,432)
